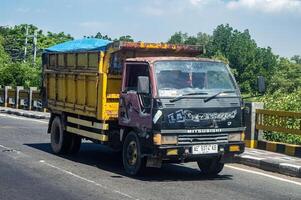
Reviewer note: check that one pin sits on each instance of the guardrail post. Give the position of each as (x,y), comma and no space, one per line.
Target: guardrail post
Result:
(18,88)
(251,134)
(31,89)
(6,88)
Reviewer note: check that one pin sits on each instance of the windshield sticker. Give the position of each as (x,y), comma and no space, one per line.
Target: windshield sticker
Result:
(187,115)
(168,93)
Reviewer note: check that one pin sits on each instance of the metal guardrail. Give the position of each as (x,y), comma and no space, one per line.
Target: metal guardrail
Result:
(279,121)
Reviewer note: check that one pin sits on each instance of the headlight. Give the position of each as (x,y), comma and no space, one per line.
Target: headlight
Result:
(236,137)
(159,139)
(169,139)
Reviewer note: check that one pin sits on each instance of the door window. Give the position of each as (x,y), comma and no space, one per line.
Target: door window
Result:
(132,73)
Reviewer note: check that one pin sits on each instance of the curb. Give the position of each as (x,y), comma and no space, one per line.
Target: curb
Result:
(272,165)
(288,149)
(23,113)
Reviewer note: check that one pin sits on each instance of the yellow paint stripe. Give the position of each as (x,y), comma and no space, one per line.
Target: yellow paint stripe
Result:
(270,146)
(290,150)
(86,123)
(251,143)
(88,134)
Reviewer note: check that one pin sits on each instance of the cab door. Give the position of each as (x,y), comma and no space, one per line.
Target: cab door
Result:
(135,106)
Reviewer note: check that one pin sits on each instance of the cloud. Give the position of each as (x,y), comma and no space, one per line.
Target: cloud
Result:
(153,11)
(268,6)
(195,2)
(23,10)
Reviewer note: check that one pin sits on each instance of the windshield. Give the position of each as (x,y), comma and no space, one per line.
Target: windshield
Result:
(182,77)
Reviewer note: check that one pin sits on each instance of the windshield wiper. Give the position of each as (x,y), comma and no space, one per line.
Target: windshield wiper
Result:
(185,95)
(215,95)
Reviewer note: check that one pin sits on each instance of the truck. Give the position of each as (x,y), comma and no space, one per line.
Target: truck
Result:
(155,103)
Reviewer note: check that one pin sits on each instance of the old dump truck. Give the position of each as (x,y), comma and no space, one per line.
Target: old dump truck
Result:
(156,103)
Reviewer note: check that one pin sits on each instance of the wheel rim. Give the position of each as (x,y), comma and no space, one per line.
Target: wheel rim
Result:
(132,153)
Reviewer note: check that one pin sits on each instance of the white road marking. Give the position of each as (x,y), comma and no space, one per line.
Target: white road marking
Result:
(88,180)
(4,147)
(263,174)
(23,118)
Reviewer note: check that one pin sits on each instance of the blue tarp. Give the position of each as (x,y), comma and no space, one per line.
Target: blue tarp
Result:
(86,44)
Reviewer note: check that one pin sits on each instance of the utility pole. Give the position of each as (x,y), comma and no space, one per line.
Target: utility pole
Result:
(25,49)
(35,40)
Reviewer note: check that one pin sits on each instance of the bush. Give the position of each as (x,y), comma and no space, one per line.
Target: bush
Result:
(20,74)
(285,102)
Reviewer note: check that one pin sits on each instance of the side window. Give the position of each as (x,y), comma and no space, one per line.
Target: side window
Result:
(132,73)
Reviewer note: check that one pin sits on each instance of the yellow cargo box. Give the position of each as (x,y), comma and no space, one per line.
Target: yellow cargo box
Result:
(77,83)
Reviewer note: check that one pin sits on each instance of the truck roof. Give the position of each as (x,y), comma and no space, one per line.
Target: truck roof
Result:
(93,44)
(169,58)
(80,45)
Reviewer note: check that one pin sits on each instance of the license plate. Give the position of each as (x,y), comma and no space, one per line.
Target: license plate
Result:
(205,149)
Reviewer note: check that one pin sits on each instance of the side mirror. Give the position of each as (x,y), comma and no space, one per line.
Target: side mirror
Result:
(261,84)
(143,85)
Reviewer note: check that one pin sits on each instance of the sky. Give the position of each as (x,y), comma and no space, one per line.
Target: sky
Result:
(274,23)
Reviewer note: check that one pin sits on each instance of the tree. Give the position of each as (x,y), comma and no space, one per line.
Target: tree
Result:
(221,38)
(287,78)
(13,71)
(100,36)
(297,59)
(178,38)
(14,40)
(236,48)
(50,39)
(4,58)
(126,38)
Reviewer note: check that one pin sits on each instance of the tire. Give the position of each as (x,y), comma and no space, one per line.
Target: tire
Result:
(210,167)
(60,140)
(131,155)
(75,143)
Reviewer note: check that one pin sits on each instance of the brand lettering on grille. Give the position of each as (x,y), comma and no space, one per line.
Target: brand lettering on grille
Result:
(204,131)
(187,115)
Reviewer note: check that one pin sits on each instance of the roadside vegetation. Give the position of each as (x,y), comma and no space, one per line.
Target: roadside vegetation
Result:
(237,48)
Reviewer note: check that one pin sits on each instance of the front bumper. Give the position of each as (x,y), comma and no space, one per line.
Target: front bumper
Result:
(184,153)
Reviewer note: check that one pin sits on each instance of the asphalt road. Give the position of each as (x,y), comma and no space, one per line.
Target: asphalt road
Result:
(28,170)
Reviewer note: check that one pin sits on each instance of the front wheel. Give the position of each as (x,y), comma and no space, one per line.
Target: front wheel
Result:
(210,167)
(131,155)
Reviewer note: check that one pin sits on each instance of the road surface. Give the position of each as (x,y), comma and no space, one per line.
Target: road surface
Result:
(28,170)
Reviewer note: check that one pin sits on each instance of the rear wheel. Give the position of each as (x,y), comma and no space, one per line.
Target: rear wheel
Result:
(60,140)
(210,166)
(131,155)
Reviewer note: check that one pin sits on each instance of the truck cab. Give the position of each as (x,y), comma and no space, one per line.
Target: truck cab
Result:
(179,109)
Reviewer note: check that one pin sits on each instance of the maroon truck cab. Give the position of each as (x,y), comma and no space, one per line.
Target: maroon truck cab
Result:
(179,109)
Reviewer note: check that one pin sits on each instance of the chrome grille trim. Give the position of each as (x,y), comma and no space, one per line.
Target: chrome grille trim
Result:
(202,139)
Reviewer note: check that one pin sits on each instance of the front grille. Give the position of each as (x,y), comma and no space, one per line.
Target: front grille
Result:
(188,139)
